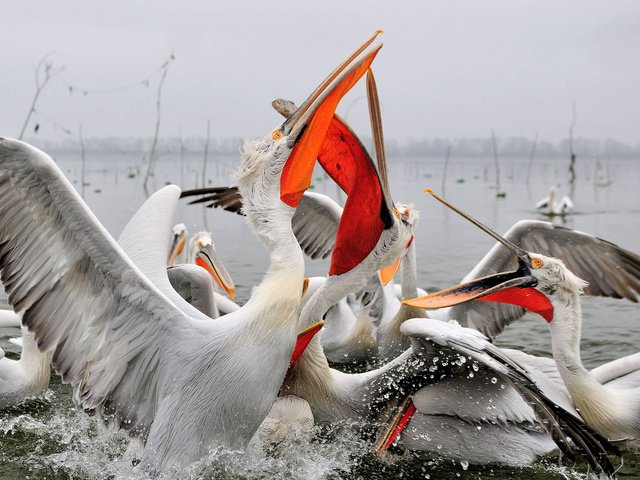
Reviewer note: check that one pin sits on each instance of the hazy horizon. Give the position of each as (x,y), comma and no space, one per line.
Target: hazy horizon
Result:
(447,70)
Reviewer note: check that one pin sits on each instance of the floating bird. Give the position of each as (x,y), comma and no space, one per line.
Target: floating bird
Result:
(612,409)
(26,377)
(129,352)
(482,408)
(552,208)
(9,318)
(610,270)
(201,252)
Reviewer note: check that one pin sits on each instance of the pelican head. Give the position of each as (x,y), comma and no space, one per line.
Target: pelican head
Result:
(406,216)
(178,240)
(515,287)
(202,252)
(285,157)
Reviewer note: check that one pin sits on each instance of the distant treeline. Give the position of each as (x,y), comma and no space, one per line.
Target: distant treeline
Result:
(462,147)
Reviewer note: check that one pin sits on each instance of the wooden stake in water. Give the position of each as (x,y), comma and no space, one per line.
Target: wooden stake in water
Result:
(572,170)
(531,155)
(206,155)
(499,193)
(446,164)
(152,153)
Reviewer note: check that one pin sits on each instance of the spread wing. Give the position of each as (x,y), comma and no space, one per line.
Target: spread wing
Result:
(610,270)
(112,334)
(315,222)
(533,388)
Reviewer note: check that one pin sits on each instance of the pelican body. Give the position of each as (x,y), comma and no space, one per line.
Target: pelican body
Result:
(182,385)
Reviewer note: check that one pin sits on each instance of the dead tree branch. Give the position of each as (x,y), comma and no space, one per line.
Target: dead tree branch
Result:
(154,144)
(44,73)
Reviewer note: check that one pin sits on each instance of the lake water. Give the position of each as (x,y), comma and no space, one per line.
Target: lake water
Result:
(49,438)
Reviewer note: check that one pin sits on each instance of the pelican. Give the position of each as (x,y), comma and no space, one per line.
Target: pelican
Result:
(26,377)
(335,396)
(29,376)
(130,353)
(552,208)
(178,241)
(612,410)
(608,397)
(201,252)
(8,318)
(349,335)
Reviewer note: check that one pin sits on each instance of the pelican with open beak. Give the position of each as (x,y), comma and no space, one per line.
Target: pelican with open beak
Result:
(114,334)
(512,287)
(606,397)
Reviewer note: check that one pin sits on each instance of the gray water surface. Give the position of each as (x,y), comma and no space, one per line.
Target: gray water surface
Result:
(49,438)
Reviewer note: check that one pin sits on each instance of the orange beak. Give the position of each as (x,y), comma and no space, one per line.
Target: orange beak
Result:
(304,337)
(177,246)
(309,124)
(508,287)
(387,273)
(207,259)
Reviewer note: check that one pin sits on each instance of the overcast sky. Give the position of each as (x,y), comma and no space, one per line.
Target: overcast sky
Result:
(447,69)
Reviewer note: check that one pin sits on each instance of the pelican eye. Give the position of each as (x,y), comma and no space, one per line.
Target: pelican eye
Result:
(537,263)
(396,212)
(406,214)
(276,135)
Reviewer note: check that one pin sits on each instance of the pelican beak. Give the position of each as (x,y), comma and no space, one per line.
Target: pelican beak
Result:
(515,288)
(207,258)
(304,337)
(387,273)
(476,289)
(177,246)
(392,430)
(307,127)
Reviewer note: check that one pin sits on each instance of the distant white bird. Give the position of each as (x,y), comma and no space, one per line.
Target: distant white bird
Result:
(551,207)
(131,354)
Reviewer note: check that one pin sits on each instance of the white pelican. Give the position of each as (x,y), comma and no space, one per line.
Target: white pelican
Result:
(182,385)
(334,395)
(26,377)
(612,409)
(552,208)
(201,252)
(29,376)
(610,270)
(178,242)
(9,318)
(349,335)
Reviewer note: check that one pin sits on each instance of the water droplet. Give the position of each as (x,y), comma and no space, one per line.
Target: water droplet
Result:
(475,367)
(465,464)
(494,380)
